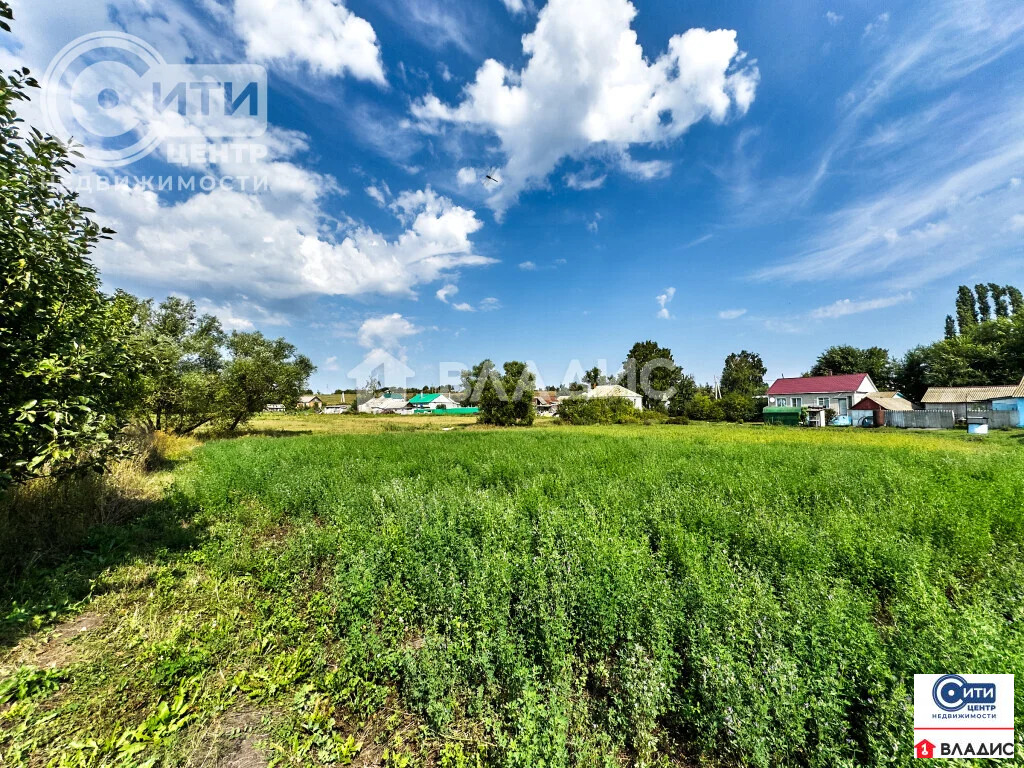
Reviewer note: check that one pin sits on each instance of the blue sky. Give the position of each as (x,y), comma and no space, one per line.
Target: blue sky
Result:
(777,177)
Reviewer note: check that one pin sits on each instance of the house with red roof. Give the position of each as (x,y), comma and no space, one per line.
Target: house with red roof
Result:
(820,393)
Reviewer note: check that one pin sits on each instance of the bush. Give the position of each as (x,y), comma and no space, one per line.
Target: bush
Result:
(703,408)
(600,410)
(737,407)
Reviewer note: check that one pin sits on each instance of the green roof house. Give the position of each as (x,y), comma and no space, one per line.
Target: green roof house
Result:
(432,402)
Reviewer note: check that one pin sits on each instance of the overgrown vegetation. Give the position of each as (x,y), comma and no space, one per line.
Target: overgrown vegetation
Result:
(596,596)
(603,410)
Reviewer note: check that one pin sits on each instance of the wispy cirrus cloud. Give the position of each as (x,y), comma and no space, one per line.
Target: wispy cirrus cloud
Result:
(927,179)
(845,307)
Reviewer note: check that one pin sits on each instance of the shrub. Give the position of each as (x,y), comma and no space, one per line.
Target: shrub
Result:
(599,410)
(703,408)
(507,401)
(737,407)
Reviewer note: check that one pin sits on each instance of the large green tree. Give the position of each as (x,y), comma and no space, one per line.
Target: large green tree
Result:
(1016,298)
(507,401)
(999,303)
(259,371)
(981,291)
(181,376)
(66,368)
(650,370)
(966,309)
(874,361)
(743,374)
(194,374)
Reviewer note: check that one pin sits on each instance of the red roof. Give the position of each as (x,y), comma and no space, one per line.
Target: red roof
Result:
(848,382)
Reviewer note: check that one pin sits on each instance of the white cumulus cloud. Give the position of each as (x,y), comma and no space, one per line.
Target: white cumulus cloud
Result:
(731,314)
(615,97)
(322,34)
(274,245)
(466,176)
(386,331)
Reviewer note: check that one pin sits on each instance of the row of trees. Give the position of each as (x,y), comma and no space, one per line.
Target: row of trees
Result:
(988,301)
(76,365)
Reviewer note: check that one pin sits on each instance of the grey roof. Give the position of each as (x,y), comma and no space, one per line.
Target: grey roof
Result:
(1019,391)
(967,394)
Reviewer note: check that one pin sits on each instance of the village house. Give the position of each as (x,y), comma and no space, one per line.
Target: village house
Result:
(275,408)
(819,394)
(546,403)
(310,401)
(386,403)
(617,390)
(432,402)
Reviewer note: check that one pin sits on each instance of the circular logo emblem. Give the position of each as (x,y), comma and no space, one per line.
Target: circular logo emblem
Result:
(97,92)
(948,693)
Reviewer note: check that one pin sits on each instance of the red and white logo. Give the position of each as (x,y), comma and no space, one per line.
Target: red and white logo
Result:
(924,748)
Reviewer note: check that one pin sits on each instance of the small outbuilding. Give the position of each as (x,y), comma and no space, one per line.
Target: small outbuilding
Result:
(1015,402)
(961,400)
(782,415)
(871,410)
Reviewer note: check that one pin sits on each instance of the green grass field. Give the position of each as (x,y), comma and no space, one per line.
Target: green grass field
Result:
(397,594)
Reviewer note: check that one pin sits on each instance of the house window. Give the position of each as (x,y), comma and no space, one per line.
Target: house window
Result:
(824,402)
(798,402)
(781,402)
(844,405)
